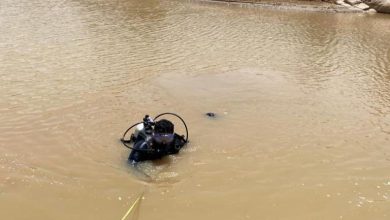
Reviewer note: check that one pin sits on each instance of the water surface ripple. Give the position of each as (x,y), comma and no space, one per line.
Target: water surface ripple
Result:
(303,105)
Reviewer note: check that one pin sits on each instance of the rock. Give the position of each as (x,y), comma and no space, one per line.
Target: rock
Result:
(341,2)
(382,6)
(353,2)
(371,11)
(362,6)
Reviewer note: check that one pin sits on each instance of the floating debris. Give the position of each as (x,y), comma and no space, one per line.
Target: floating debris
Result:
(132,206)
(211,114)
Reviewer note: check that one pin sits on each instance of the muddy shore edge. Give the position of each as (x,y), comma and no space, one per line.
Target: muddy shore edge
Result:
(309,6)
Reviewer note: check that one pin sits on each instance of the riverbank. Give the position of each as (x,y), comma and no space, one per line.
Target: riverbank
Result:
(314,6)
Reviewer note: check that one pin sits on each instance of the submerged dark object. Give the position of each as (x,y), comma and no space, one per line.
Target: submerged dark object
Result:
(154,139)
(211,114)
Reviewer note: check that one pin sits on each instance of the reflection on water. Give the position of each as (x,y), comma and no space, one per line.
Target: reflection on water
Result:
(303,104)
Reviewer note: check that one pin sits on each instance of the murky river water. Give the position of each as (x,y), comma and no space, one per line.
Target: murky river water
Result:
(303,104)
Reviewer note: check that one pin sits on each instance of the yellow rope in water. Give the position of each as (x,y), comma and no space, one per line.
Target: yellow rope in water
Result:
(132,206)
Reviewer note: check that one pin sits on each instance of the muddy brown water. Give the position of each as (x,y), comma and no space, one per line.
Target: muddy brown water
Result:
(302,101)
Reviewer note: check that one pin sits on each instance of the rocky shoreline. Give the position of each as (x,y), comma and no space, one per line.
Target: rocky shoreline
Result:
(339,6)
